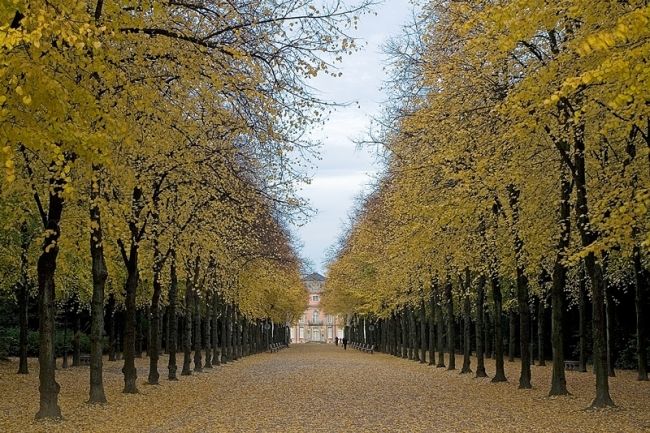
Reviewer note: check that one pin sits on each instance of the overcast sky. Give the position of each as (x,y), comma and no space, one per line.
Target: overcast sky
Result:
(344,171)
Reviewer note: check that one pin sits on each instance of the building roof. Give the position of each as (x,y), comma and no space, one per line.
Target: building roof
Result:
(314,277)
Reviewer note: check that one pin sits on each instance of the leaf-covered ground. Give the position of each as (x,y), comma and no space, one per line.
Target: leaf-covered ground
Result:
(319,388)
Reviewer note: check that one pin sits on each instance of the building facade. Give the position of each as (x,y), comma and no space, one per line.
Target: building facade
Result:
(314,325)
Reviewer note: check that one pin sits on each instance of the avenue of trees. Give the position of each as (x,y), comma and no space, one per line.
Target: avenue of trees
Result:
(513,206)
(151,151)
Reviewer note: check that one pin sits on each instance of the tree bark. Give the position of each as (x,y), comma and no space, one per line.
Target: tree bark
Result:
(129,370)
(432,330)
(451,337)
(112,344)
(480,315)
(172,344)
(187,330)
(583,325)
(499,375)
(611,325)
(594,271)
(512,335)
(76,336)
(45,268)
(467,344)
(639,303)
(541,323)
(441,326)
(423,331)
(23,299)
(206,332)
(216,351)
(558,378)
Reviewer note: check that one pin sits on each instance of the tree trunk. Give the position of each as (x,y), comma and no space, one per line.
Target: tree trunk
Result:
(432,331)
(154,327)
(558,378)
(187,330)
(23,302)
(595,273)
(583,325)
(139,336)
(467,345)
(404,330)
(45,269)
(480,315)
(216,351)
(512,335)
(76,337)
(423,332)
(611,325)
(129,370)
(172,344)
(65,341)
(451,337)
(499,375)
(112,344)
(207,345)
(639,303)
(541,313)
(100,275)
(441,326)
(524,329)
(413,348)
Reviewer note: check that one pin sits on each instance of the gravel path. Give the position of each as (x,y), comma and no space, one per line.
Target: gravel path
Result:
(321,388)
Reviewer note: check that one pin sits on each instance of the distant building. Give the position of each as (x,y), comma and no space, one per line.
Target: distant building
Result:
(314,324)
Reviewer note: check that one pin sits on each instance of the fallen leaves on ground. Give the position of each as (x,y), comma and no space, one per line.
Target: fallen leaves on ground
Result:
(321,388)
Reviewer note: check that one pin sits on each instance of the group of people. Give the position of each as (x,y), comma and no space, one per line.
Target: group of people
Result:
(344,342)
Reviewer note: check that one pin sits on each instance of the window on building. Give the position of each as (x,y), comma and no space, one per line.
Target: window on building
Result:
(315,315)
(329,319)
(315,298)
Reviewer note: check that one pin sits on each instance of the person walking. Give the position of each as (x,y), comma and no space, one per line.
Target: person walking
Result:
(345,343)
(336,341)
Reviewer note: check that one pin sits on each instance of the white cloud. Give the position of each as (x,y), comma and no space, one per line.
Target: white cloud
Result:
(343,171)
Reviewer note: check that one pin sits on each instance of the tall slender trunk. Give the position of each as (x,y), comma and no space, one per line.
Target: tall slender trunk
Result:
(423,331)
(207,341)
(522,292)
(111,325)
(129,370)
(45,268)
(467,342)
(512,335)
(403,315)
(187,330)
(154,343)
(582,312)
(413,347)
(541,324)
(432,328)
(499,375)
(139,336)
(216,351)
(558,378)
(451,334)
(480,315)
(639,303)
(76,337)
(594,271)
(441,326)
(23,299)
(611,326)
(224,333)
(172,296)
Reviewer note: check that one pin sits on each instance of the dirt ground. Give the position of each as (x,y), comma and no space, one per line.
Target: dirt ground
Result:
(321,388)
